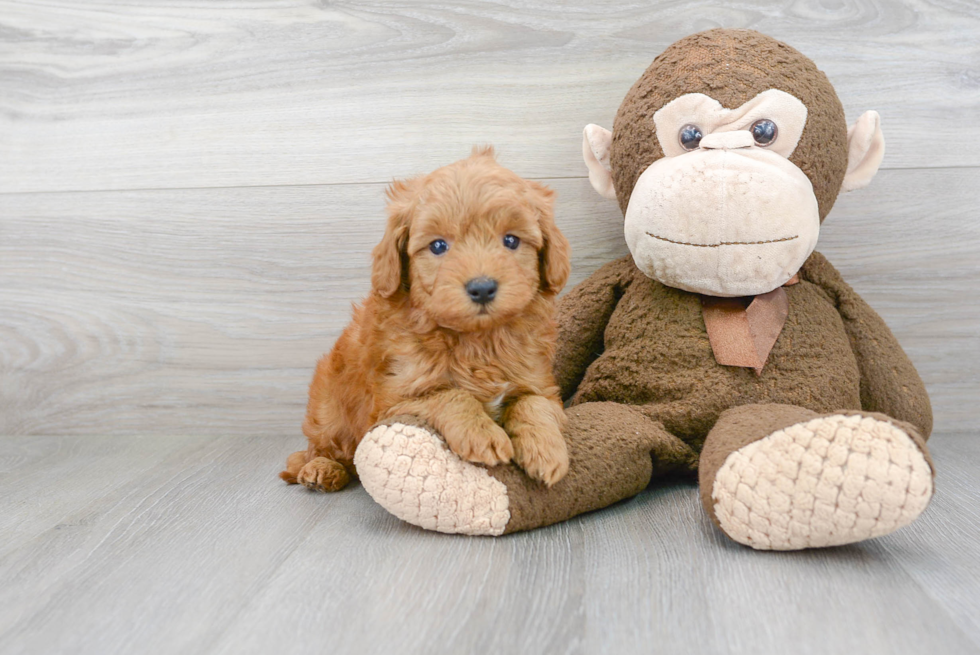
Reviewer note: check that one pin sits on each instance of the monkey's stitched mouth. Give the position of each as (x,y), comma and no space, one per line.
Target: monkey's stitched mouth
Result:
(723,243)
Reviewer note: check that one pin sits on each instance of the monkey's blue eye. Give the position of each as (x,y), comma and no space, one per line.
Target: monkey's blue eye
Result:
(764,132)
(510,241)
(690,137)
(438,247)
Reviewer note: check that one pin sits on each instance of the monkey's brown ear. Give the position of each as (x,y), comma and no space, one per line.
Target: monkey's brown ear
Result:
(390,256)
(595,150)
(555,254)
(865,150)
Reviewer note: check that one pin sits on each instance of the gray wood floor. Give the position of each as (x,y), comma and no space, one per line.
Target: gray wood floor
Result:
(189,192)
(190,545)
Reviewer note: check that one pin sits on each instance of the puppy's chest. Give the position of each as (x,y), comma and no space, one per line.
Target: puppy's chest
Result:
(488,385)
(478,371)
(486,377)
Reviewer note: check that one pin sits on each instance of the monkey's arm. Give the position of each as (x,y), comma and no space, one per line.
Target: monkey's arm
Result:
(889,382)
(582,317)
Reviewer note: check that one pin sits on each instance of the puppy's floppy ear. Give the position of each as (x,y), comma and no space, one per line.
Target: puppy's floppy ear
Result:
(555,254)
(484,151)
(390,256)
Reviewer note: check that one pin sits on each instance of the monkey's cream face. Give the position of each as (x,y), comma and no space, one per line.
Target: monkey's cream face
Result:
(724,212)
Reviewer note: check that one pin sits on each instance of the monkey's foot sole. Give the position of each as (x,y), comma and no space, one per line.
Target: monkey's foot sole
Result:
(829,481)
(411,472)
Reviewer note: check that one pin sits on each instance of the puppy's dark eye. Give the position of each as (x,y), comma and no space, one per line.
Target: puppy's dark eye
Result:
(510,241)
(690,137)
(764,132)
(438,247)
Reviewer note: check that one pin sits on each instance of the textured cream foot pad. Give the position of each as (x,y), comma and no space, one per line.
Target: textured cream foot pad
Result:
(412,473)
(831,481)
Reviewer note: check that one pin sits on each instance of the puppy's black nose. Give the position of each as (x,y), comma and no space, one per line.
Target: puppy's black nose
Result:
(481,289)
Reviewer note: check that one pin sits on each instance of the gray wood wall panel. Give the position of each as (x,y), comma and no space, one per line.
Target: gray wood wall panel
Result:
(156,312)
(177,307)
(167,94)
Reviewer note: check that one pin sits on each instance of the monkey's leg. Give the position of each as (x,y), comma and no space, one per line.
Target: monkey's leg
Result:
(410,472)
(780,477)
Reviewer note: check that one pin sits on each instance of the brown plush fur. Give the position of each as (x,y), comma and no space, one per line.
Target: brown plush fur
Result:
(610,448)
(633,354)
(732,66)
(627,338)
(479,374)
(634,357)
(834,353)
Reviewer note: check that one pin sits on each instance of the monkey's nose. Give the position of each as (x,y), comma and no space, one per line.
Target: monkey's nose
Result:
(481,290)
(727,140)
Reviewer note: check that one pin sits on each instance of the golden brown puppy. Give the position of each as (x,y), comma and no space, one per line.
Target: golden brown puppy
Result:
(458,329)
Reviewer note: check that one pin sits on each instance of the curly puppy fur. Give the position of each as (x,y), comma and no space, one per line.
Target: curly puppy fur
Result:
(478,372)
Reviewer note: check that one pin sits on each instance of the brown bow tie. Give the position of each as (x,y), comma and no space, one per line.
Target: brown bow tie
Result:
(742,331)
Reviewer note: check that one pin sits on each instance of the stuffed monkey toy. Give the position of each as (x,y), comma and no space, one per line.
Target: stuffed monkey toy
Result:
(723,347)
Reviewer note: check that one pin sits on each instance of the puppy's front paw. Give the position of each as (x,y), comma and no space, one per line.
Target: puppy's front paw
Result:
(323,474)
(487,444)
(543,456)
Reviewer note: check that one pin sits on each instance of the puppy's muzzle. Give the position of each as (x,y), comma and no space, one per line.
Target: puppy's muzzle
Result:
(481,290)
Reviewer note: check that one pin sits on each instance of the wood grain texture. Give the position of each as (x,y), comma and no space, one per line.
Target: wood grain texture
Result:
(205,551)
(159,312)
(189,192)
(944,566)
(167,94)
(36,499)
